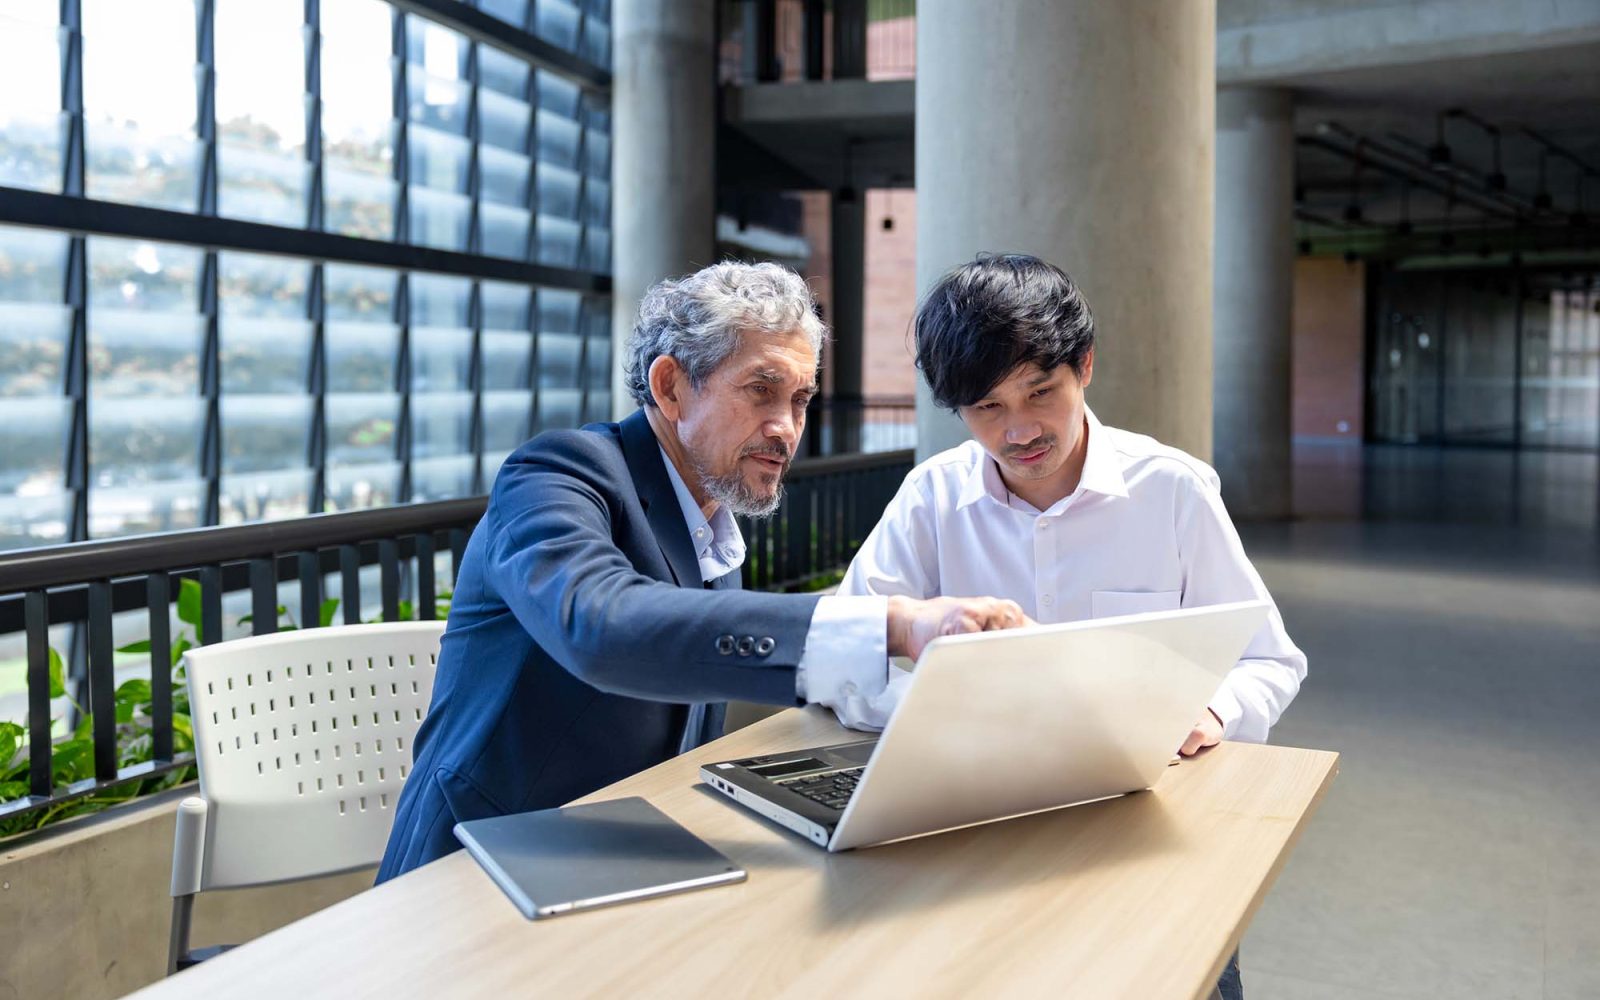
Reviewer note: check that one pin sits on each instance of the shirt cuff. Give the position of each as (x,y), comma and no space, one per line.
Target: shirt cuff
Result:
(845,663)
(1228,709)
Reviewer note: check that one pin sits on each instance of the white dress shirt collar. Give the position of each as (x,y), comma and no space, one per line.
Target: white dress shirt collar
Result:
(718,545)
(1102,471)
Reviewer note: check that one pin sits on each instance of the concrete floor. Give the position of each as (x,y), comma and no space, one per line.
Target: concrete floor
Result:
(1449,602)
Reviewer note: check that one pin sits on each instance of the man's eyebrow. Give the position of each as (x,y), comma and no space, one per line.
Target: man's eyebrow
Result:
(1041,379)
(767,375)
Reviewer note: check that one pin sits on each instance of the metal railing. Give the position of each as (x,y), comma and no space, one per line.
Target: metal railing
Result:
(829,506)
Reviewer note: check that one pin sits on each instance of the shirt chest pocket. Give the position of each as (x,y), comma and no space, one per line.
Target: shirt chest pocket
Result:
(1111,603)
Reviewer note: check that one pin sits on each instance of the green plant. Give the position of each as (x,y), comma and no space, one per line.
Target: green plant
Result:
(72,757)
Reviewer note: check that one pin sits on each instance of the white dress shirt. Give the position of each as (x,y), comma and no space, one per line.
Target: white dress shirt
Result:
(843,665)
(1145,530)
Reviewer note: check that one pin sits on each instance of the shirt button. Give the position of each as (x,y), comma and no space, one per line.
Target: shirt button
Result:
(1044,524)
(1047,600)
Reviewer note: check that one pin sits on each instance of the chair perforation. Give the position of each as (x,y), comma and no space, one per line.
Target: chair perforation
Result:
(383,800)
(402,770)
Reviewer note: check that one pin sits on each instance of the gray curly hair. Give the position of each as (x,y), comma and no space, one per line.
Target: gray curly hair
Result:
(697,319)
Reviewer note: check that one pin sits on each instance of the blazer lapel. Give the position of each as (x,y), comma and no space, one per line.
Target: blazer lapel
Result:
(660,501)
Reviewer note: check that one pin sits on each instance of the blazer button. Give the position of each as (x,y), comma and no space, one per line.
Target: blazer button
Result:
(747,645)
(725,645)
(765,645)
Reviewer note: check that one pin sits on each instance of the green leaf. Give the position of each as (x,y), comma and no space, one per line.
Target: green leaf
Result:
(189,602)
(142,646)
(72,760)
(183,645)
(11,736)
(12,790)
(325,613)
(85,728)
(182,733)
(246,619)
(135,691)
(58,678)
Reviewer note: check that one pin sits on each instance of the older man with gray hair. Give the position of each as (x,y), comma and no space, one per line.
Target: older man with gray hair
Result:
(597,623)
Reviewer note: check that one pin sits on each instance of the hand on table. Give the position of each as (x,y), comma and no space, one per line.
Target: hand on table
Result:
(1206,733)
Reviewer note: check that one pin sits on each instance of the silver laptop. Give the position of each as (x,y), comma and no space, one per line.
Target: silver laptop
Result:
(1001,724)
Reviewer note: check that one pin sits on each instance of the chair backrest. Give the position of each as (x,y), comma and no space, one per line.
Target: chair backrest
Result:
(303,740)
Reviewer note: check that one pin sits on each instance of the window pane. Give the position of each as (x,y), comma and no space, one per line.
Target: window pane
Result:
(558,408)
(502,72)
(505,121)
(358,125)
(359,204)
(365,294)
(261,110)
(33,265)
(558,311)
(558,191)
(361,427)
(259,285)
(139,102)
(143,355)
(140,510)
(362,357)
(442,478)
(558,241)
(505,419)
(31,120)
(36,446)
(360,486)
(439,220)
(33,344)
(503,176)
(503,232)
(134,442)
(265,496)
(27,520)
(439,160)
(506,306)
(505,359)
(441,423)
(131,274)
(265,432)
(557,21)
(440,301)
(440,356)
(558,360)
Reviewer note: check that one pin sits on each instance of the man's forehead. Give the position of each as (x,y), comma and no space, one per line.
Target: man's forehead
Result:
(775,359)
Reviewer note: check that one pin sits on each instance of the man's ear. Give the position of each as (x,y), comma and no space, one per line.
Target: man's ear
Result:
(668,383)
(1088,369)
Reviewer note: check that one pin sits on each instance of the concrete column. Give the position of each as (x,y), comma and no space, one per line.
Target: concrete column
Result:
(849,259)
(1253,297)
(1080,131)
(663,177)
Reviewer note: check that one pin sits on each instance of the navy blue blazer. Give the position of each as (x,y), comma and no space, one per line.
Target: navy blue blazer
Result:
(580,634)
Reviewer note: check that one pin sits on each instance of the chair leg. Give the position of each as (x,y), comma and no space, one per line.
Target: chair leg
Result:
(178,946)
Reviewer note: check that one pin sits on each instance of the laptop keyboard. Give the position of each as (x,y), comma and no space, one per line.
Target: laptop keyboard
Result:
(832,789)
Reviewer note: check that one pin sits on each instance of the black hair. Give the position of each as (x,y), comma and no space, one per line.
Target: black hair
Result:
(984,319)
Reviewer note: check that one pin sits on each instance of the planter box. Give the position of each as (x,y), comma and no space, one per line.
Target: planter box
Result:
(85,910)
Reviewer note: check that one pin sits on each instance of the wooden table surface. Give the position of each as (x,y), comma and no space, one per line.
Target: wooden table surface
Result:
(1141,896)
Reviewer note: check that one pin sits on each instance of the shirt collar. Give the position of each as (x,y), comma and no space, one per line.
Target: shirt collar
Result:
(718,545)
(1102,472)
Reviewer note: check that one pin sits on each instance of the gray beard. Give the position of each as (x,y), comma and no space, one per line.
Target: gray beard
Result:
(734,493)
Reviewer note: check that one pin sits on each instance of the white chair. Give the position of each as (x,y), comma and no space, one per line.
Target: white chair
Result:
(303,741)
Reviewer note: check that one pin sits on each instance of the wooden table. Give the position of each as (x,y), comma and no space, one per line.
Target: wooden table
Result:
(1142,896)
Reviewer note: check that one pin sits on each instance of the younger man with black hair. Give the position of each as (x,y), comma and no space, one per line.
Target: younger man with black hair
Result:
(1050,508)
